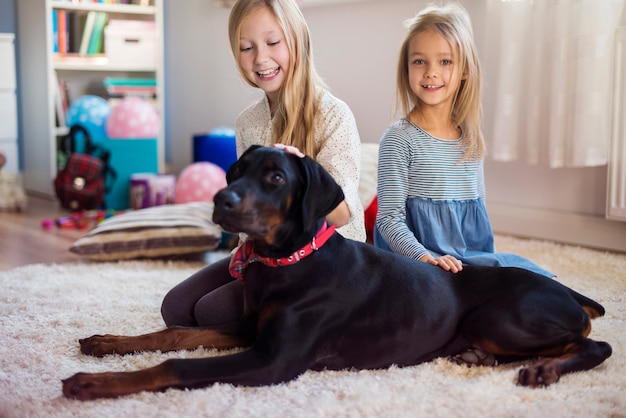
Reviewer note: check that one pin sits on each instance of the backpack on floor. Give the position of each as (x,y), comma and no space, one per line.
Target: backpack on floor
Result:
(81,184)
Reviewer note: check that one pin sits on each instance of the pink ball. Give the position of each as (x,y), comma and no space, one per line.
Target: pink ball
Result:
(133,118)
(199,182)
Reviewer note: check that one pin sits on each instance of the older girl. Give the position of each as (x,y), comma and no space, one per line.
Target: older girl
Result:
(272,48)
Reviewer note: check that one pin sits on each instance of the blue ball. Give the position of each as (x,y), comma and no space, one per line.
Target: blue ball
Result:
(90,112)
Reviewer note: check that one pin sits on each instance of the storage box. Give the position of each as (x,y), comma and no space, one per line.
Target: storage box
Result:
(131,43)
(147,190)
(217,146)
(128,156)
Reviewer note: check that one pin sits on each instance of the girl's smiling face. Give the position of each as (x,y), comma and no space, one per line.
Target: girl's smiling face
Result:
(264,54)
(434,76)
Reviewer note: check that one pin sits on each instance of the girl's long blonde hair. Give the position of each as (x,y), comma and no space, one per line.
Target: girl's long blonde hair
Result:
(297,107)
(453,23)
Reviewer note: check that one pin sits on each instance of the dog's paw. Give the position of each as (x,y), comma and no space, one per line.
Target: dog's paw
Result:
(475,357)
(100,345)
(88,386)
(542,373)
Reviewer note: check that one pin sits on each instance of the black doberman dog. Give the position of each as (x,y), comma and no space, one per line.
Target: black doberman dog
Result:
(314,300)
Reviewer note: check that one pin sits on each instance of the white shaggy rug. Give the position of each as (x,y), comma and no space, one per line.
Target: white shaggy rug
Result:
(45,309)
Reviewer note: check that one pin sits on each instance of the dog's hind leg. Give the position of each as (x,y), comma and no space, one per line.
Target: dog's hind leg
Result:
(584,354)
(521,328)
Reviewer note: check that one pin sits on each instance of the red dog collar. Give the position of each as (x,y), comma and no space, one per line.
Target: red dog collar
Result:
(245,254)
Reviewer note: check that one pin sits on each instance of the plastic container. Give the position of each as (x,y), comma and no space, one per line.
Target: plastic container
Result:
(217,146)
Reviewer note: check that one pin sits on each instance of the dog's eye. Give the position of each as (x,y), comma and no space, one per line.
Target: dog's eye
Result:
(276,178)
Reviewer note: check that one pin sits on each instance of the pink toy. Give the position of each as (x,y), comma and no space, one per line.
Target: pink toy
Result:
(47,223)
(133,118)
(199,182)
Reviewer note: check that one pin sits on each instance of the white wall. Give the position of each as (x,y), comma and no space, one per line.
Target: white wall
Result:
(356,46)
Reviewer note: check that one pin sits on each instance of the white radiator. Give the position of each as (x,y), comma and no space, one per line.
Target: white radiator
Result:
(616,193)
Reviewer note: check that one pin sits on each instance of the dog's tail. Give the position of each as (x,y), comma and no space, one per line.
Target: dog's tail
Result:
(593,308)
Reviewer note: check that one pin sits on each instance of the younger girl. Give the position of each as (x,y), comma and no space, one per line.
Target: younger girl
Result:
(431,189)
(271,44)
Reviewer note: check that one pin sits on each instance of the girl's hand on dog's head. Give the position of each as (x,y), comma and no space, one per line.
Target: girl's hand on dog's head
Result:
(290,149)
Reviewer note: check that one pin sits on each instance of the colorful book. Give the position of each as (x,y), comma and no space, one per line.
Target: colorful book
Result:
(95,42)
(62,28)
(87,31)
(129,82)
(58,102)
(55,31)
(123,91)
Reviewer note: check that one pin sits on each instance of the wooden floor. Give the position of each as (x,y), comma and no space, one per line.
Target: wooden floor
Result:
(24,241)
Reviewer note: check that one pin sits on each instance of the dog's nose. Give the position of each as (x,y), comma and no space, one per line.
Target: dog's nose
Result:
(226,200)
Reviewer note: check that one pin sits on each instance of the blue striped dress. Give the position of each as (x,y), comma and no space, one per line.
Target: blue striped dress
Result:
(429,201)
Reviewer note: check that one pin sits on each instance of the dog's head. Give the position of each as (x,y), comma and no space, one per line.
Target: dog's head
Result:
(278,199)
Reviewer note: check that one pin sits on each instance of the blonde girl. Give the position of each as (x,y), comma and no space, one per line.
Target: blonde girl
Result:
(271,45)
(272,48)
(431,188)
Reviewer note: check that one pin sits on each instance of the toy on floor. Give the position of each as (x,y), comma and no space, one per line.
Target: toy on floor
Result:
(80,220)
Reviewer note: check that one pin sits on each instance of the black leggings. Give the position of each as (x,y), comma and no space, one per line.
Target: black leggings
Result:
(208,297)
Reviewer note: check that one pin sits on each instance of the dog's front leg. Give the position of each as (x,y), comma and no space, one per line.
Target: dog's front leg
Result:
(169,339)
(247,368)
(89,386)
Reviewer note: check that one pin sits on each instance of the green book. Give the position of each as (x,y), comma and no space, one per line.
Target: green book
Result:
(124,81)
(87,30)
(95,42)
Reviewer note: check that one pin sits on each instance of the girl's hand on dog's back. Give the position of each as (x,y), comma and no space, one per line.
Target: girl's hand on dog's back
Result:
(446,262)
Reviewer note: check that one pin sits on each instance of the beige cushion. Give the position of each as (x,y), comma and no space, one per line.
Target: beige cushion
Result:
(160,231)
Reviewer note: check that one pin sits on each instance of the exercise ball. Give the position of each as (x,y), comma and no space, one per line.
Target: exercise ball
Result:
(90,112)
(133,118)
(199,182)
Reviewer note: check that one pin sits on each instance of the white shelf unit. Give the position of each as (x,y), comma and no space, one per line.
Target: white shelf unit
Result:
(8,103)
(40,67)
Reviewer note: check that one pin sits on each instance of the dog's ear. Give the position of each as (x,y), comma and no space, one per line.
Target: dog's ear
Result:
(322,194)
(236,169)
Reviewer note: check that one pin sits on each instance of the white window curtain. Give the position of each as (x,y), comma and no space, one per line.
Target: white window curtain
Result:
(547,70)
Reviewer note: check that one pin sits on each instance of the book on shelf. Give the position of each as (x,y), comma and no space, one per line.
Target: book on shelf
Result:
(61,100)
(55,31)
(123,91)
(129,81)
(62,29)
(97,35)
(87,31)
(67,30)
(122,87)
(76,23)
